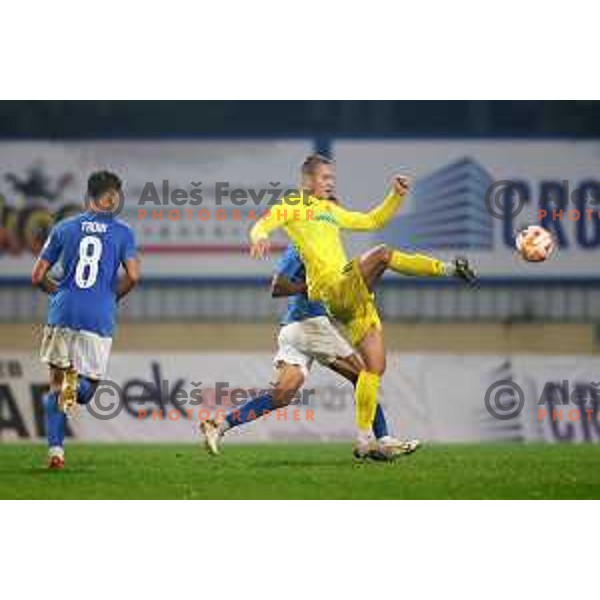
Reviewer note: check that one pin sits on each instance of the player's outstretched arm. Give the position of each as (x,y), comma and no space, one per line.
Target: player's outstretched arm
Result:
(130,278)
(380,215)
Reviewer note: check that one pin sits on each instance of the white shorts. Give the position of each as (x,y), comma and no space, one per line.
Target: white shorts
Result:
(84,351)
(315,338)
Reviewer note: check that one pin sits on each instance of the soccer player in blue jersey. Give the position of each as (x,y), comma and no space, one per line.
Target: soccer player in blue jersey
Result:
(306,334)
(90,248)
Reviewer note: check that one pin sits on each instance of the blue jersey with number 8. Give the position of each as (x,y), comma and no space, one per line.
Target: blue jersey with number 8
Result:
(90,248)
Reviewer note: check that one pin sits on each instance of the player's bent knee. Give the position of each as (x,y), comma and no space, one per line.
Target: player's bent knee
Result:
(383,253)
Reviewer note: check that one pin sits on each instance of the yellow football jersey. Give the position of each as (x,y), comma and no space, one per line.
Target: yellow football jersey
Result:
(313,225)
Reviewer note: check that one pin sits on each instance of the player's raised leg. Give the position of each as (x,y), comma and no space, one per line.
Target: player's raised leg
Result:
(373,263)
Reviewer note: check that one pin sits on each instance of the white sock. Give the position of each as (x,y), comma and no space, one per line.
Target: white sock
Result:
(449,269)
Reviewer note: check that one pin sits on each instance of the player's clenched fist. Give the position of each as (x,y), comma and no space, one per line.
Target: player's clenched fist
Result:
(401,184)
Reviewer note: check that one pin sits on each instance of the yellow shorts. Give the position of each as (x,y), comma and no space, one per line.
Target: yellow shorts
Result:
(349,300)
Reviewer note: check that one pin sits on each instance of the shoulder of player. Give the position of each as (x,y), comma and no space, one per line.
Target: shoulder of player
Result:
(334,205)
(67,223)
(123,225)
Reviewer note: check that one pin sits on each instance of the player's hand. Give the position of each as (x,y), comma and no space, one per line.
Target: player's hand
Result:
(401,185)
(260,249)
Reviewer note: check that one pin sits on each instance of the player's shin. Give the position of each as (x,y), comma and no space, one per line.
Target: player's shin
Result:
(367,388)
(418,265)
(55,420)
(253,409)
(86,389)
(380,428)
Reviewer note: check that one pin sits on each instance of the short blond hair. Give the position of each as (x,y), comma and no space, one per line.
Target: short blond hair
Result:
(312,162)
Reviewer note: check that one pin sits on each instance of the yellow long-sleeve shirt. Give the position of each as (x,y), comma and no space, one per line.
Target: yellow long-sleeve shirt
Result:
(313,225)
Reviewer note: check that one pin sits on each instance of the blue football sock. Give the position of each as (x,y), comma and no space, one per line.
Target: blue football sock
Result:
(55,420)
(379,423)
(252,410)
(85,390)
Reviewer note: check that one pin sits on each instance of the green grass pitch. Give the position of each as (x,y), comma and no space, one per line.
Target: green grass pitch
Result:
(320,471)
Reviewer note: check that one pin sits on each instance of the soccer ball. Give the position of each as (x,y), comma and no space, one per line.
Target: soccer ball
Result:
(535,244)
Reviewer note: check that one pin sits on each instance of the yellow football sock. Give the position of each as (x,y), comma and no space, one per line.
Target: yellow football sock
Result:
(367,387)
(416,264)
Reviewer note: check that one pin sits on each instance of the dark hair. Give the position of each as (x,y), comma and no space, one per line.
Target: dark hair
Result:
(101,182)
(313,161)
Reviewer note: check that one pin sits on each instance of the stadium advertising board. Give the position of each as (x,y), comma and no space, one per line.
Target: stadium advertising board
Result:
(192,202)
(438,398)
(470,197)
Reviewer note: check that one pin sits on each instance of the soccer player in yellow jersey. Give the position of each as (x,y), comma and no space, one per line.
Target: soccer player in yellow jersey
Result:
(313,222)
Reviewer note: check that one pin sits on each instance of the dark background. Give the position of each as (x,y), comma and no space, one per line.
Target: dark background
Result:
(100,118)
